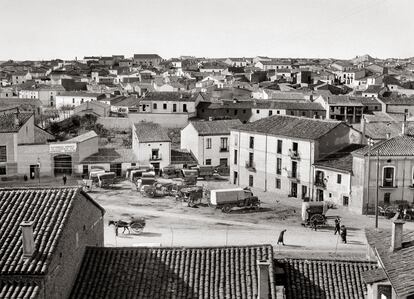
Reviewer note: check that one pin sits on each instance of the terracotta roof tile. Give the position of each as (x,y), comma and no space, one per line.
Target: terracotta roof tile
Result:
(396,146)
(313,278)
(49,209)
(291,126)
(8,122)
(398,265)
(151,132)
(18,290)
(217,272)
(215,127)
(340,160)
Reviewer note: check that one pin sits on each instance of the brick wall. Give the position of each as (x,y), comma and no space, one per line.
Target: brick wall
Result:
(84,228)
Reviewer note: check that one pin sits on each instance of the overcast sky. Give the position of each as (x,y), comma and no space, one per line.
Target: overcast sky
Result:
(43,29)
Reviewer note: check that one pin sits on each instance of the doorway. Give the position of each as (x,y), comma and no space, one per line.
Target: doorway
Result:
(85,170)
(156,167)
(63,165)
(117,168)
(293,189)
(345,200)
(319,195)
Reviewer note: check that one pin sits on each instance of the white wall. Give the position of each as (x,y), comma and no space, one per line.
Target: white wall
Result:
(72,101)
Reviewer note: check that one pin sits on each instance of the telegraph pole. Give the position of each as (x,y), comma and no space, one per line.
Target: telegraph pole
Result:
(369,172)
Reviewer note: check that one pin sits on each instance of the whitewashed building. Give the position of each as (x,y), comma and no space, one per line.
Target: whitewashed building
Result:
(151,145)
(76,98)
(277,153)
(209,140)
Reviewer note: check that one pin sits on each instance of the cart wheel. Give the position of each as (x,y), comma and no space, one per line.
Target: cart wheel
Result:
(151,193)
(226,209)
(319,219)
(137,230)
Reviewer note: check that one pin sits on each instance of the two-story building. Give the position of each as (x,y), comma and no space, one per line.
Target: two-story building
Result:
(277,153)
(341,107)
(45,93)
(385,168)
(266,108)
(151,145)
(147,59)
(209,140)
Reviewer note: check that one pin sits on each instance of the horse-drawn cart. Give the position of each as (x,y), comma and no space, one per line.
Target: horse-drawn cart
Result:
(192,195)
(136,225)
(314,213)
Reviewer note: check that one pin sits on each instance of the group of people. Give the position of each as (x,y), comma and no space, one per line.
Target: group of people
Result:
(340,229)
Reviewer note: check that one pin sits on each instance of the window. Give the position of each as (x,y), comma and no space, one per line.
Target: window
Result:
(81,100)
(270,112)
(303,113)
(388,177)
(223,144)
(295,147)
(244,111)
(251,159)
(278,184)
(208,161)
(278,166)
(185,108)
(223,162)
(251,142)
(3,153)
(208,143)
(277,112)
(235,157)
(133,164)
(250,181)
(279,146)
(235,111)
(73,101)
(292,113)
(154,106)
(257,111)
(3,170)
(387,198)
(174,107)
(339,179)
(164,106)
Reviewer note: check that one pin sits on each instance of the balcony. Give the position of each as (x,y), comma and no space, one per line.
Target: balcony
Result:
(155,157)
(224,149)
(294,154)
(320,184)
(293,175)
(251,166)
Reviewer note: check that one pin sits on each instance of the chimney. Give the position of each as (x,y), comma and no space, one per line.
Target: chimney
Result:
(397,235)
(27,238)
(263,279)
(388,135)
(404,124)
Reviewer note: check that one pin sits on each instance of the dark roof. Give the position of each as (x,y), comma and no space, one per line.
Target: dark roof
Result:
(18,290)
(288,105)
(398,100)
(291,126)
(395,146)
(215,127)
(169,96)
(398,265)
(8,122)
(341,100)
(373,89)
(340,160)
(374,275)
(21,102)
(49,208)
(215,272)
(314,278)
(107,155)
(182,156)
(147,56)
(42,136)
(151,132)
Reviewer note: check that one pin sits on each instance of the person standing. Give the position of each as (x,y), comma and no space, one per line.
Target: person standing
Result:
(64,179)
(314,224)
(337,225)
(281,237)
(343,233)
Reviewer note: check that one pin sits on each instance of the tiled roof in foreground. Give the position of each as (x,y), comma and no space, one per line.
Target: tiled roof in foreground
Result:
(18,290)
(214,272)
(49,208)
(314,278)
(396,146)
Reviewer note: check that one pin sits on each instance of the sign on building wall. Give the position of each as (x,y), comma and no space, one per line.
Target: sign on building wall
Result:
(62,148)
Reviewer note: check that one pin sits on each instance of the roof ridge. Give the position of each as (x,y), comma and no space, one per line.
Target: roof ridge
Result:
(102,248)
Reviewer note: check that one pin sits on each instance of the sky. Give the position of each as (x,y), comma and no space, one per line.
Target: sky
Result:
(46,29)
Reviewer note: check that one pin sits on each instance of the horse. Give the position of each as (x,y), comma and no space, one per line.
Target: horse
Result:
(123,224)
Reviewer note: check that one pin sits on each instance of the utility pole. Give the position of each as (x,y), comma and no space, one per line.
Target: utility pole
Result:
(369,172)
(377,195)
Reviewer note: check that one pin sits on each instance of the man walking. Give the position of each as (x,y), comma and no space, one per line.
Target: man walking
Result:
(337,225)
(64,179)
(281,236)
